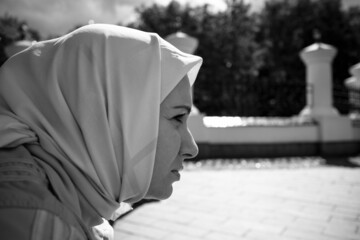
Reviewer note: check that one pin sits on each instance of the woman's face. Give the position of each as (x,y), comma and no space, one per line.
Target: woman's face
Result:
(175,142)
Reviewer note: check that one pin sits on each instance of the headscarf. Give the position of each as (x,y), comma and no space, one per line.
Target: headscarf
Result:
(87,106)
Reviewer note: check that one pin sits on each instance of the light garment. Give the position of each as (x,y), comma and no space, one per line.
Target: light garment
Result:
(88,106)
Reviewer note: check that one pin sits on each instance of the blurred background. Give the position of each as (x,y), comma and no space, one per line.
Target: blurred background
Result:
(250,48)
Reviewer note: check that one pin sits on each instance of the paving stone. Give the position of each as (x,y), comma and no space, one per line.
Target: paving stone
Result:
(307,235)
(141,230)
(239,201)
(221,235)
(190,230)
(258,235)
(182,236)
(306,227)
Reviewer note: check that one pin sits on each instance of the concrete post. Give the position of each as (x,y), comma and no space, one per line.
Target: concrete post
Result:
(335,131)
(355,71)
(353,85)
(17,47)
(318,58)
(186,44)
(183,42)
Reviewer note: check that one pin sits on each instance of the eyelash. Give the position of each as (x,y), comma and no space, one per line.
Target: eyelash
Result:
(179,118)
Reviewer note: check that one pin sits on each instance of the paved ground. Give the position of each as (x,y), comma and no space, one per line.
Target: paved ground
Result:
(311,202)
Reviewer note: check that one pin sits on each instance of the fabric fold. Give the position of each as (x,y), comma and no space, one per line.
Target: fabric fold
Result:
(87,105)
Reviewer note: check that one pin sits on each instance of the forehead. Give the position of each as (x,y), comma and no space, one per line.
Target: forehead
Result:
(180,95)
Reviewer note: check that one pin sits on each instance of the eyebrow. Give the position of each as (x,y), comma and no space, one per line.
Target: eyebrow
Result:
(186,107)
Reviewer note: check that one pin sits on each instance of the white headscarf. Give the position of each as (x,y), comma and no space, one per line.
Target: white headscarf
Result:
(87,106)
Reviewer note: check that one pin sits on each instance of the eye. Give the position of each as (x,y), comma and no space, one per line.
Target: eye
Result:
(179,118)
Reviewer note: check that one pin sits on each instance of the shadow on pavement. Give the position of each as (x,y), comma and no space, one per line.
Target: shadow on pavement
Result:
(268,163)
(342,162)
(134,206)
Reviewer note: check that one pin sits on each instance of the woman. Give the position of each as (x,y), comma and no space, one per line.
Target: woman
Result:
(88,121)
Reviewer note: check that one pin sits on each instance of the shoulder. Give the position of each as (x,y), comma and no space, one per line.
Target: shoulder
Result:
(35,224)
(28,209)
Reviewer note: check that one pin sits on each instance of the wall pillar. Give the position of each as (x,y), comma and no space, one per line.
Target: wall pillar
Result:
(186,44)
(353,85)
(17,47)
(183,42)
(334,130)
(318,58)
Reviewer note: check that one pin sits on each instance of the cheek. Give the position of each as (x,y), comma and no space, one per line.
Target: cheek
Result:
(168,146)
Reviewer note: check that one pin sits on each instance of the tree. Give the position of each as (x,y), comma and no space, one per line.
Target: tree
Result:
(11,30)
(229,66)
(251,62)
(286,27)
(226,44)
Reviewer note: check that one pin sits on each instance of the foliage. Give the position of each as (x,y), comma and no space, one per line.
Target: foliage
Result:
(12,30)
(226,44)
(305,20)
(251,61)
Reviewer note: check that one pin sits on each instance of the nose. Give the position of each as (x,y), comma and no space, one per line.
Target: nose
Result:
(189,148)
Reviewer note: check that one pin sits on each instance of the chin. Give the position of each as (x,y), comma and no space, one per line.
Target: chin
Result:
(160,194)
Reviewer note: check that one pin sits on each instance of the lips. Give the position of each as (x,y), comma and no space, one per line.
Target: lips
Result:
(178,169)
(176,174)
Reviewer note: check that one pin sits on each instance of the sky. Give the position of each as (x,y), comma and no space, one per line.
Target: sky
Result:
(56,17)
